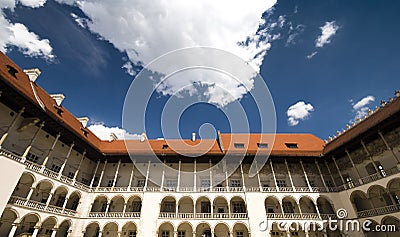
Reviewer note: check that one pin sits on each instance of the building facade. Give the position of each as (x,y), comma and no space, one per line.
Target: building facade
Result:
(59,179)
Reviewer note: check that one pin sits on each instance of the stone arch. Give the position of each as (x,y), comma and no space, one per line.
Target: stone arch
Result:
(186,205)
(24,185)
(28,223)
(221,229)
(325,206)
(240,229)
(307,205)
(63,228)
(168,204)
(379,196)
(117,203)
(130,228)
(42,191)
(272,205)
(47,226)
(59,196)
(391,222)
(360,201)
(289,205)
(166,228)
(92,229)
(134,204)
(371,233)
(73,200)
(100,204)
(110,229)
(185,227)
(220,205)
(238,205)
(203,204)
(8,218)
(203,228)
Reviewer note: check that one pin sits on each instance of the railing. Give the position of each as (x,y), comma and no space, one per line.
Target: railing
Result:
(185,215)
(310,216)
(238,215)
(285,189)
(152,189)
(18,201)
(274,215)
(252,189)
(269,189)
(370,178)
(236,189)
(114,215)
(203,215)
(302,189)
(169,215)
(172,215)
(136,189)
(328,216)
(10,155)
(219,189)
(378,211)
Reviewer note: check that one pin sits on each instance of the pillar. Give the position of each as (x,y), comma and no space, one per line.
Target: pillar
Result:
(54,232)
(305,175)
(179,176)
(66,159)
(50,151)
(79,166)
(352,163)
(273,175)
(241,172)
(258,177)
(102,173)
(94,174)
(195,176)
(124,210)
(11,126)
(371,158)
(330,173)
(116,174)
(131,176)
(290,175)
(388,147)
(13,230)
(320,174)
(211,180)
(32,141)
(30,193)
(36,231)
(337,167)
(49,199)
(226,176)
(147,177)
(65,202)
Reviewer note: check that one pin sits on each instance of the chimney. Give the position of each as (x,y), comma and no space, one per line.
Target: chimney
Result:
(113,137)
(143,137)
(32,73)
(397,93)
(193,137)
(58,98)
(84,121)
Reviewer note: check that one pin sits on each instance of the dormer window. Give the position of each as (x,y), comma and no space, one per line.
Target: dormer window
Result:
(59,110)
(239,145)
(291,145)
(164,147)
(85,131)
(262,145)
(12,71)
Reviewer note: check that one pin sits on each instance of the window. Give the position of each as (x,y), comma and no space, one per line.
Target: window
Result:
(295,233)
(235,183)
(312,182)
(329,183)
(141,182)
(275,233)
(238,207)
(172,183)
(70,175)
(205,183)
(291,145)
(168,207)
(32,157)
(181,233)
(270,210)
(132,233)
(110,183)
(205,207)
(165,233)
(60,201)
(103,207)
(239,145)
(85,181)
(221,210)
(164,147)
(262,145)
(287,207)
(136,206)
(239,234)
(281,183)
(55,168)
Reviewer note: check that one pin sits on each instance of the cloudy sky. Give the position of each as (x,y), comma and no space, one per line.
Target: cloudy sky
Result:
(326,63)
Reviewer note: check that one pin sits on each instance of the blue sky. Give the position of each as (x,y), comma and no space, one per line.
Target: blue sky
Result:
(81,50)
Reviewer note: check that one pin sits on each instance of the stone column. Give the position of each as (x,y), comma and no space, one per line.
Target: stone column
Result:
(102,173)
(11,126)
(322,177)
(195,176)
(49,199)
(65,203)
(54,232)
(79,166)
(211,180)
(147,177)
(371,158)
(290,175)
(94,174)
(226,177)
(330,173)
(352,163)
(131,176)
(26,152)
(116,175)
(273,175)
(337,167)
(305,175)
(179,176)
(30,193)
(50,151)
(241,172)
(36,231)
(65,161)
(258,177)
(13,230)
(388,147)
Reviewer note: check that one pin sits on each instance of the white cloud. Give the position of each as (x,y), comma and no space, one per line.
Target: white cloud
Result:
(327,32)
(361,107)
(298,111)
(312,55)
(18,35)
(79,20)
(294,32)
(145,30)
(104,132)
(128,66)
(32,3)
